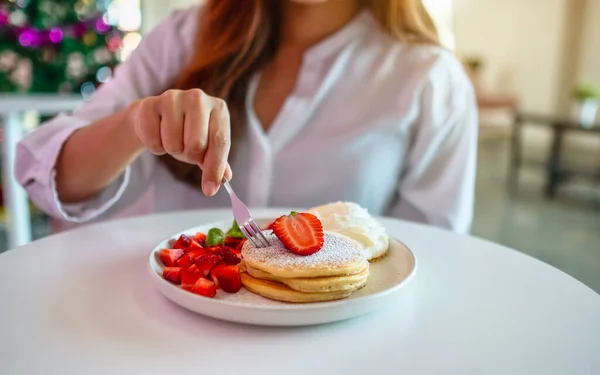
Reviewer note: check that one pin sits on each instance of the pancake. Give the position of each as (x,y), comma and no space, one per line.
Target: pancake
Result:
(319,284)
(280,292)
(339,256)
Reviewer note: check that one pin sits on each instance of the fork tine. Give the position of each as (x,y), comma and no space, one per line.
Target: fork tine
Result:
(259,231)
(242,215)
(254,234)
(248,235)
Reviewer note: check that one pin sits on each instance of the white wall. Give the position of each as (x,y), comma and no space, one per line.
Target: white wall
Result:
(589,69)
(520,42)
(153,11)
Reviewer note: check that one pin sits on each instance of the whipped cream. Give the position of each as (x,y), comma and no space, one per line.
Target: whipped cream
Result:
(351,220)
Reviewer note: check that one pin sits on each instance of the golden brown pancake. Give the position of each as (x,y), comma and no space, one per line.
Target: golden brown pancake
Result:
(281,292)
(317,284)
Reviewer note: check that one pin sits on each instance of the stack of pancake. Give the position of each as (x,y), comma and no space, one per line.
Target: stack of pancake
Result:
(336,271)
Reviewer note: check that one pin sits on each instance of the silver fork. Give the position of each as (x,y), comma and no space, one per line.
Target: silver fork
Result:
(245,221)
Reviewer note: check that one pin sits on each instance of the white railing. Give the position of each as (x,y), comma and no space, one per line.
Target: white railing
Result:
(12,112)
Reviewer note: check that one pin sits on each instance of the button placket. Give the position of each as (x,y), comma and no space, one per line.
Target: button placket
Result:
(260,174)
(306,98)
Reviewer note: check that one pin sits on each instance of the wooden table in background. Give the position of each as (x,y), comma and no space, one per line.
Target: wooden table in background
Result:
(555,171)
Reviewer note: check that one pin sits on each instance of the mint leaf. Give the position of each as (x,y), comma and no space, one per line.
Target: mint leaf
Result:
(235,231)
(215,237)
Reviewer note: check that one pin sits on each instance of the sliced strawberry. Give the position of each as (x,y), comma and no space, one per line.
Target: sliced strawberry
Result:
(206,262)
(214,249)
(270,226)
(185,261)
(204,287)
(189,277)
(212,272)
(301,233)
(169,256)
(194,245)
(232,241)
(173,274)
(228,278)
(197,253)
(241,244)
(238,255)
(183,242)
(200,238)
(232,256)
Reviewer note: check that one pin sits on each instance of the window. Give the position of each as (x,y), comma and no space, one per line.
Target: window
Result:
(441,11)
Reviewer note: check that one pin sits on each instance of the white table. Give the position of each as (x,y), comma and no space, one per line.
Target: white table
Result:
(81,303)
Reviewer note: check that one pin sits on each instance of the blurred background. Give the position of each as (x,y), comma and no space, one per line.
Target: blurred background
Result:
(535,65)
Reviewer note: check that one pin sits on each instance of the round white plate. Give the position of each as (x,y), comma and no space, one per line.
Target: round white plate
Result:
(386,277)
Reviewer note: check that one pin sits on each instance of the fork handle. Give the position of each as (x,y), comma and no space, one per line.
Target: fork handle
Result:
(227,186)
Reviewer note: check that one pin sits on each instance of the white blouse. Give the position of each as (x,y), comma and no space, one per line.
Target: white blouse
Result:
(389,126)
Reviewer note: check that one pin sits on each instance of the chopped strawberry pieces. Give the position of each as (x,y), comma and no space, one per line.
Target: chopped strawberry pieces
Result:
(203,270)
(190,276)
(214,249)
(185,261)
(197,253)
(204,287)
(241,244)
(238,255)
(301,233)
(232,256)
(173,274)
(212,272)
(194,245)
(183,242)
(200,238)
(205,263)
(228,278)
(169,256)
(232,241)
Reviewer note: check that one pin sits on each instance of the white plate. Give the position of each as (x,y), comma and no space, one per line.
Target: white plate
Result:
(386,277)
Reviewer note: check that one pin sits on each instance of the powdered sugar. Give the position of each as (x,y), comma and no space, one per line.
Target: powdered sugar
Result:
(337,251)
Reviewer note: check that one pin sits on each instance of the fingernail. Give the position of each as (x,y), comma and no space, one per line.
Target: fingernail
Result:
(210,188)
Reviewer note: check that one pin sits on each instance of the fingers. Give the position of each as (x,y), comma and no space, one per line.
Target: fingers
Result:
(147,125)
(191,126)
(171,125)
(219,144)
(228,172)
(195,133)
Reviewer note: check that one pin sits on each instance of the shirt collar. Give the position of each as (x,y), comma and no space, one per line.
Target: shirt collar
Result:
(358,26)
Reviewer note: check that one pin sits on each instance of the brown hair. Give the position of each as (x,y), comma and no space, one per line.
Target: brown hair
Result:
(237,38)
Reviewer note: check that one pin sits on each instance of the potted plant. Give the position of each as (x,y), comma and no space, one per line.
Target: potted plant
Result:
(585,108)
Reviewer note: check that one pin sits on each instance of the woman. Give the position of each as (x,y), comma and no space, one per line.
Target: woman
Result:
(317,100)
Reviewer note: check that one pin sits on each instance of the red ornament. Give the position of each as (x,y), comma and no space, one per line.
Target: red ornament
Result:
(114,43)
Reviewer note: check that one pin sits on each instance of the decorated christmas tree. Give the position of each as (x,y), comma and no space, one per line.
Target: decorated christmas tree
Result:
(52,46)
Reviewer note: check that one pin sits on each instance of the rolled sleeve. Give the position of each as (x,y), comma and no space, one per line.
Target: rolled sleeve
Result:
(96,206)
(35,171)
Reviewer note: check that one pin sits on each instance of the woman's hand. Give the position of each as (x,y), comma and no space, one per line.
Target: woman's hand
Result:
(191,126)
